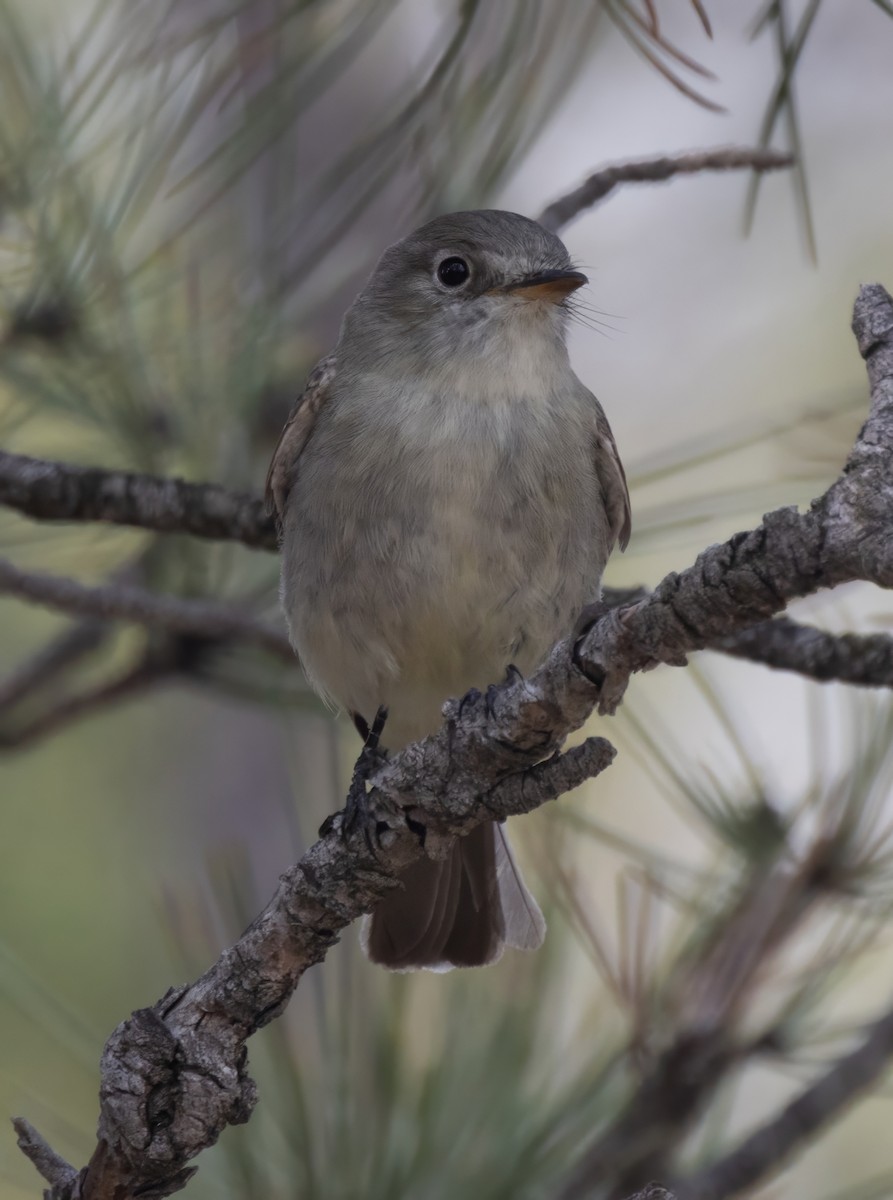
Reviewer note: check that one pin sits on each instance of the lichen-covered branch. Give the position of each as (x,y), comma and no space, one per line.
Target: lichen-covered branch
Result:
(185,1057)
(54,1169)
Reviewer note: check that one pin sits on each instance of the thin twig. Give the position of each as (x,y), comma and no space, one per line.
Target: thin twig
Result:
(655,170)
(54,1169)
(65,650)
(122,602)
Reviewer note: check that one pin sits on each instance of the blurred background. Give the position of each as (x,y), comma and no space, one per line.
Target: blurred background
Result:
(190,195)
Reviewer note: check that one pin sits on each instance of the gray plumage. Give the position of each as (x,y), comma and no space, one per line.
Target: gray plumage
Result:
(448,493)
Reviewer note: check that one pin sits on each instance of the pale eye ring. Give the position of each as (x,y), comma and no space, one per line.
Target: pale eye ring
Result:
(453,271)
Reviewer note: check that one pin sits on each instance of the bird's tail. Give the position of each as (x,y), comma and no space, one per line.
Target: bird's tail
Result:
(461,912)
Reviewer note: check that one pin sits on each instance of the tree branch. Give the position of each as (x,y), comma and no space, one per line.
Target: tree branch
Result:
(865,660)
(55,491)
(862,659)
(679,1079)
(51,660)
(655,170)
(150,668)
(770,1145)
(123,602)
(174,1075)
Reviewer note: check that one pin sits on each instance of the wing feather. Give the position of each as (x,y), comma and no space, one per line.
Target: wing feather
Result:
(612,479)
(293,439)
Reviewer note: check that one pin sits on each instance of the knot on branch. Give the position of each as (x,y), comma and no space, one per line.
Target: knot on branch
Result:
(166,1096)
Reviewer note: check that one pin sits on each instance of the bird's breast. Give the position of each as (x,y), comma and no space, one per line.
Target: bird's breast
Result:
(428,547)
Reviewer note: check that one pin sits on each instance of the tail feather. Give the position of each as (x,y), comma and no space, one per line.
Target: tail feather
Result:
(525,925)
(460,912)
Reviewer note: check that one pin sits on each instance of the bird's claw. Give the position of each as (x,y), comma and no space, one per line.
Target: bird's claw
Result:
(590,616)
(356,813)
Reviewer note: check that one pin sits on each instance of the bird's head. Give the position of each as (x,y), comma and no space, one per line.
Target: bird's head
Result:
(478,284)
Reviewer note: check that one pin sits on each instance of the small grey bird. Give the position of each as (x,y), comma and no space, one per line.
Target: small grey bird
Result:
(448,493)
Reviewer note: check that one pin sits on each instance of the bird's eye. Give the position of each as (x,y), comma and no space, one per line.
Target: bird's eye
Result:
(453,272)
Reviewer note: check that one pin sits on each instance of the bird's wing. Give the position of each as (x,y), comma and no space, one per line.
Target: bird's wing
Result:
(612,479)
(293,438)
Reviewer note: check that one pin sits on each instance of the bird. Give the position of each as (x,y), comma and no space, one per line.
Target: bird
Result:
(447,493)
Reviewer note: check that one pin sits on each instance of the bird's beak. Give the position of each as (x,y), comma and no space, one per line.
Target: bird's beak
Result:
(548,285)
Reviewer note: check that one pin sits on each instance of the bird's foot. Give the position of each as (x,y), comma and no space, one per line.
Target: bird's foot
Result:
(356,813)
(469,700)
(492,693)
(590,616)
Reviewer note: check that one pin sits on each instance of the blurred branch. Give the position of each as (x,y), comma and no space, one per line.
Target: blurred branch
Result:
(122,602)
(156,663)
(65,650)
(666,1101)
(62,652)
(55,491)
(496,755)
(770,1145)
(655,170)
(680,1080)
(863,659)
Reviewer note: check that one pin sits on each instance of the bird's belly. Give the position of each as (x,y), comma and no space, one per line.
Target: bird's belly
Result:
(413,603)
